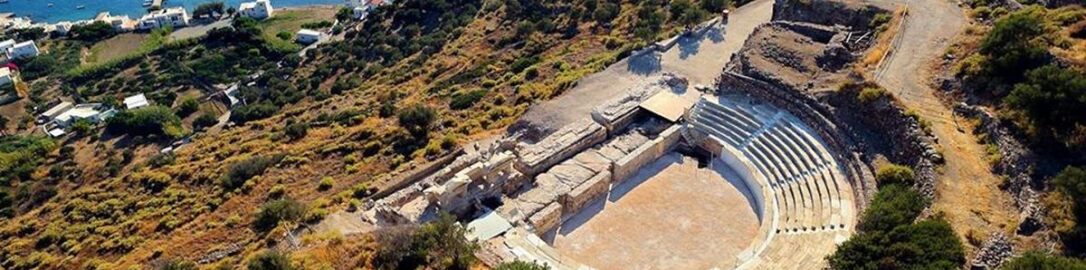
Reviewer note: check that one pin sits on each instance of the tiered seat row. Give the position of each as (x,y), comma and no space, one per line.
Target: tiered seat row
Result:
(798,251)
(799,170)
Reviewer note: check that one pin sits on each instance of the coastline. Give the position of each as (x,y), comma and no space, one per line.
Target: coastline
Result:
(66,11)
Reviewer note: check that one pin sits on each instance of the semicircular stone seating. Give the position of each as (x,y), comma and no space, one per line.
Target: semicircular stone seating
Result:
(809,199)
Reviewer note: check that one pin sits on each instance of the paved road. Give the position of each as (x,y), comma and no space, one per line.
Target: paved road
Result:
(967,192)
(700,59)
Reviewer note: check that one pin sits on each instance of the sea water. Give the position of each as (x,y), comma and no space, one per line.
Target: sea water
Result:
(67,10)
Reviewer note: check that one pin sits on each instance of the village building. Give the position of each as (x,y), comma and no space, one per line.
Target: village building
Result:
(23,50)
(5,76)
(308,36)
(136,101)
(175,17)
(259,9)
(121,23)
(62,28)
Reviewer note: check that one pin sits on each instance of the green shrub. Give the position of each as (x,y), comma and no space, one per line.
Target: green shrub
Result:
(240,171)
(1069,195)
(251,112)
(295,131)
(270,260)
(928,244)
(326,183)
(150,120)
(204,121)
(187,107)
(284,35)
(274,212)
(462,101)
(1039,261)
(179,265)
(439,244)
(895,174)
(417,119)
(893,206)
(519,265)
(870,94)
(879,20)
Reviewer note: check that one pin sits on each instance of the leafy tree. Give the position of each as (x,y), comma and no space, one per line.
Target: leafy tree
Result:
(270,260)
(187,107)
(93,32)
(1067,208)
(606,12)
(1054,98)
(150,120)
(1013,44)
(280,210)
(209,9)
(32,33)
(251,112)
(344,14)
(686,13)
(894,205)
(417,118)
(241,171)
(928,244)
(296,131)
(713,5)
(439,244)
(204,121)
(1039,261)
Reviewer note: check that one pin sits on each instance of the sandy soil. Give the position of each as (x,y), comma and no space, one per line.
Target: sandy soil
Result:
(645,225)
(967,191)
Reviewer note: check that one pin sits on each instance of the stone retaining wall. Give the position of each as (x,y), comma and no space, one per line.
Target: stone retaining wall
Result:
(628,166)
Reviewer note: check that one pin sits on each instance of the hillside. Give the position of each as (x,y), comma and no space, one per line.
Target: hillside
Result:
(318,133)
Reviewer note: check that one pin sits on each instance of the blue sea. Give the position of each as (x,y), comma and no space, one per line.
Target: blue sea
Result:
(65,10)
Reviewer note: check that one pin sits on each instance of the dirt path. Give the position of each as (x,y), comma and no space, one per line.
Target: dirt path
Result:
(700,59)
(967,191)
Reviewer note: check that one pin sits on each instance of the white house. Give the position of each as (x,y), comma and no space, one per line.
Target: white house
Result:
(7,44)
(5,76)
(62,28)
(307,36)
(136,101)
(23,50)
(121,23)
(258,9)
(176,17)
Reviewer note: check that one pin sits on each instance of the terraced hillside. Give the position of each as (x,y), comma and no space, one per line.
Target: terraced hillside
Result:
(404,87)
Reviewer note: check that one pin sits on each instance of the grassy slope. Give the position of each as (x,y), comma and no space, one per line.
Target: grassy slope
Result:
(115,222)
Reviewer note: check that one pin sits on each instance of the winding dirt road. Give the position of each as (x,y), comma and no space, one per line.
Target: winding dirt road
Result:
(967,192)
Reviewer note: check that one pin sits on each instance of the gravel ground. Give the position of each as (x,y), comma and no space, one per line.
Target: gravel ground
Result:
(700,59)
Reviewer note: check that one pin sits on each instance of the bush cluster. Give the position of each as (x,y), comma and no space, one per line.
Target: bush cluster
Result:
(150,120)
(889,238)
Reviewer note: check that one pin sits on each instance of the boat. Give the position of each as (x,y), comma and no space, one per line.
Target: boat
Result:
(80,7)
(49,5)
(3,1)
(147,3)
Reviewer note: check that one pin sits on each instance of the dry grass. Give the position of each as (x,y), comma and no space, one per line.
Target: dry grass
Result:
(113,48)
(290,21)
(875,55)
